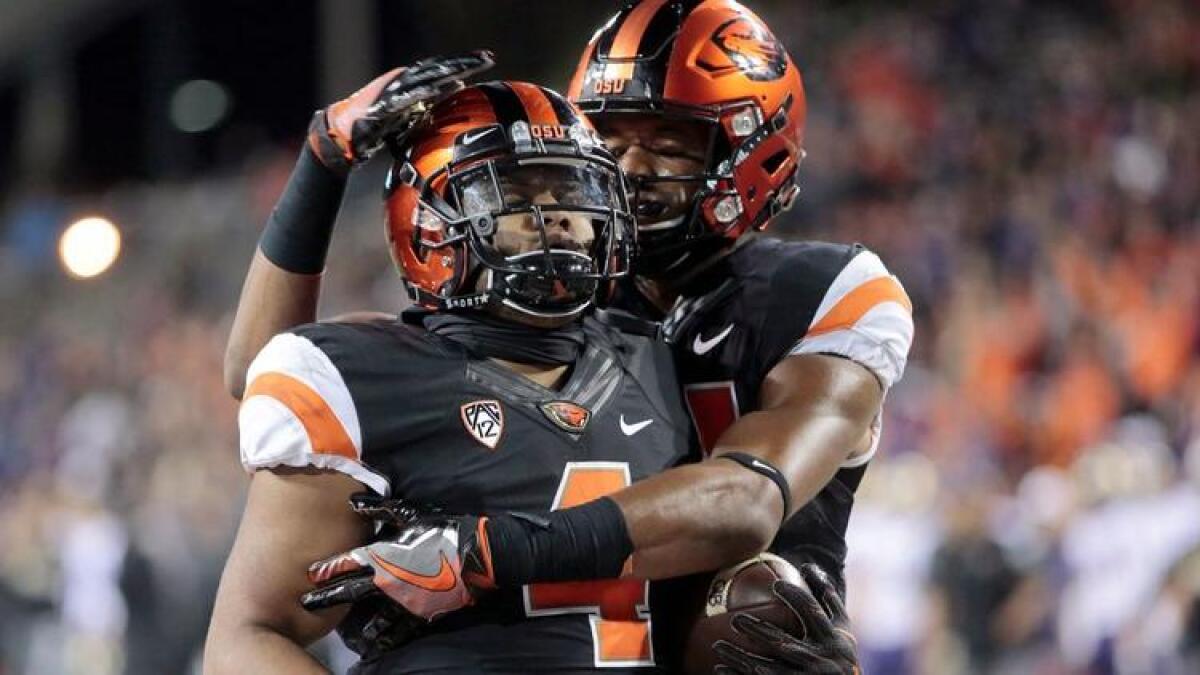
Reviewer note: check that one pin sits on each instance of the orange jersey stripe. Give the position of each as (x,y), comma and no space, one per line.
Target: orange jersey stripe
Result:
(325,431)
(623,641)
(537,106)
(629,37)
(858,302)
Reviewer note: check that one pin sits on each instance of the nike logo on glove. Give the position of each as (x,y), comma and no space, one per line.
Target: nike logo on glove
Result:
(631,429)
(444,580)
(702,346)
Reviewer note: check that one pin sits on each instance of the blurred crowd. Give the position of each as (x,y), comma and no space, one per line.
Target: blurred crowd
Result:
(1031,172)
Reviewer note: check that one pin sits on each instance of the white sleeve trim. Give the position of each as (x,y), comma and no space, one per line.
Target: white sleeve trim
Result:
(271,436)
(862,268)
(876,433)
(879,340)
(298,357)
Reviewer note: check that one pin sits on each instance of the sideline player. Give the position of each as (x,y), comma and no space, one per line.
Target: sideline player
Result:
(505,202)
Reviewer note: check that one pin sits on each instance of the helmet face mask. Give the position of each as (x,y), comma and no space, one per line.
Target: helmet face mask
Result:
(533,223)
(548,229)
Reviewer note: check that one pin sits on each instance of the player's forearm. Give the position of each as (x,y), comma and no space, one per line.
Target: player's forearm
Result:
(689,519)
(806,446)
(272,301)
(284,280)
(256,649)
(699,517)
(692,518)
(716,513)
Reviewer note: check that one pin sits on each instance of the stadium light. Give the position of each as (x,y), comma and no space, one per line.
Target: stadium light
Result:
(89,246)
(199,105)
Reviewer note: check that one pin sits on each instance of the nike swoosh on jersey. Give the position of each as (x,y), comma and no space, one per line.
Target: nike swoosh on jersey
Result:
(702,346)
(444,580)
(471,138)
(631,429)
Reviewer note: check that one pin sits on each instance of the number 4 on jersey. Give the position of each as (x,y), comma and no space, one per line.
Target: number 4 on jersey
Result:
(618,609)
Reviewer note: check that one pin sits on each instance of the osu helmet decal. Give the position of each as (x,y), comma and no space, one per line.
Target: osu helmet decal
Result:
(713,62)
(505,198)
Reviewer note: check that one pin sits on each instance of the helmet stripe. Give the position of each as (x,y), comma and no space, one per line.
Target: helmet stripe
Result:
(566,115)
(662,26)
(629,38)
(537,105)
(505,102)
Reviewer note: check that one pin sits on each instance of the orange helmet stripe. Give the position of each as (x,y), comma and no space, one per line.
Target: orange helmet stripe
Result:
(575,90)
(625,44)
(537,106)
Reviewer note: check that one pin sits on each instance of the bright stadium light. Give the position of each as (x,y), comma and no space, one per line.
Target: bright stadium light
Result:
(89,246)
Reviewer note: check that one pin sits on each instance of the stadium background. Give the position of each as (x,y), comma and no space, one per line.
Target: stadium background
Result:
(1029,169)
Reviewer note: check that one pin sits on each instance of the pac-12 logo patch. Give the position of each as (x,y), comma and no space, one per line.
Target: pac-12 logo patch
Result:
(485,421)
(568,416)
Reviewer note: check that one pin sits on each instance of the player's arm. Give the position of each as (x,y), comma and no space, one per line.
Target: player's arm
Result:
(283,283)
(292,517)
(301,438)
(273,300)
(689,519)
(817,411)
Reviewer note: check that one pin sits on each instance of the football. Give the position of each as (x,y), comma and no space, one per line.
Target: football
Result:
(745,587)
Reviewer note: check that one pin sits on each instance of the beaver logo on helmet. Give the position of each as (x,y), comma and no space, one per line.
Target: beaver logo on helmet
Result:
(752,49)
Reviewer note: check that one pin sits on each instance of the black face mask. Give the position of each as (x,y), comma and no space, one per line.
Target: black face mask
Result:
(494,338)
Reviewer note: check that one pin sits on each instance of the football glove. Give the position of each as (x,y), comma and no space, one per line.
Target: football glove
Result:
(348,132)
(826,648)
(427,562)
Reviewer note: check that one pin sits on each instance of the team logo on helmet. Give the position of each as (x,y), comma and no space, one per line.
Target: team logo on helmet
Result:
(568,416)
(485,421)
(752,49)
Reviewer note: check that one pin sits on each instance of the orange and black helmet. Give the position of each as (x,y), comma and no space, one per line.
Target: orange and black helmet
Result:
(713,61)
(492,159)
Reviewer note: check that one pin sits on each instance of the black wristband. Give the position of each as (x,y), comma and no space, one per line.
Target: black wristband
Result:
(297,234)
(760,466)
(581,543)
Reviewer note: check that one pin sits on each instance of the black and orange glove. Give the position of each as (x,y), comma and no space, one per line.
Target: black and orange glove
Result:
(827,646)
(427,562)
(348,132)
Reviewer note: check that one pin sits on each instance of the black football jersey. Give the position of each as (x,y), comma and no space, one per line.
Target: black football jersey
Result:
(412,414)
(770,299)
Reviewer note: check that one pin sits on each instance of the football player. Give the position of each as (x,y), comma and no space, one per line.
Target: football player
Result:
(502,393)
(786,349)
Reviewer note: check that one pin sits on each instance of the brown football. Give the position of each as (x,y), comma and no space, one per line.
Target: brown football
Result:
(745,587)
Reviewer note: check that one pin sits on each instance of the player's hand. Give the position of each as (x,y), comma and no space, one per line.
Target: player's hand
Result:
(348,132)
(427,562)
(826,648)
